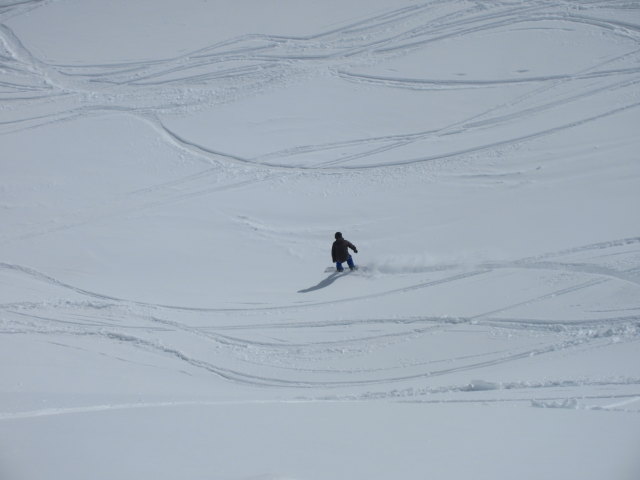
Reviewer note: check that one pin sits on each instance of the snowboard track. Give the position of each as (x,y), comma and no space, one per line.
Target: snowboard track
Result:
(260,346)
(240,67)
(261,354)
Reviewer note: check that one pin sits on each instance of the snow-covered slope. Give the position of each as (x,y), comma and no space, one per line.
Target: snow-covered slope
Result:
(171,177)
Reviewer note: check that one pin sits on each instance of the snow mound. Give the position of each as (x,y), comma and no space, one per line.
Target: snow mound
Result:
(481,385)
(569,403)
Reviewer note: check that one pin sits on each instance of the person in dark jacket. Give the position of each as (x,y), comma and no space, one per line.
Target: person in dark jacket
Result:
(340,252)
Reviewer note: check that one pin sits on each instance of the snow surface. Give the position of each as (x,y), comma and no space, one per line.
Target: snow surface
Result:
(171,176)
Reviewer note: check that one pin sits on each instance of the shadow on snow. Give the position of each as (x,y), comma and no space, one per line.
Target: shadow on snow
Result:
(324,283)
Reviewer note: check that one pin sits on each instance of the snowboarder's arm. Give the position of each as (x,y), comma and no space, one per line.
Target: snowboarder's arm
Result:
(352,247)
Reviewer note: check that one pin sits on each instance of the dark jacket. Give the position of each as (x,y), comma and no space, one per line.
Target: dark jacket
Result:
(339,250)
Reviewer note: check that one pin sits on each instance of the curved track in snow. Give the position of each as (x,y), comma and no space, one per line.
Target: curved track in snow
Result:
(337,354)
(241,67)
(260,348)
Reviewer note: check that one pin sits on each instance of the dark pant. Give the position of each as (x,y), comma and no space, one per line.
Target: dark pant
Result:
(349,262)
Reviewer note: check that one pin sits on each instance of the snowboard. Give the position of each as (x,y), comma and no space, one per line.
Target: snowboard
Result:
(332,269)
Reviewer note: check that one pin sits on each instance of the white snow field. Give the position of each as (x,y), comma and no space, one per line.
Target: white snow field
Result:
(171,178)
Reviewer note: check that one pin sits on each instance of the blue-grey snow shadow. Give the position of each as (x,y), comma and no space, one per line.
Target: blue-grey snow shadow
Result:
(324,283)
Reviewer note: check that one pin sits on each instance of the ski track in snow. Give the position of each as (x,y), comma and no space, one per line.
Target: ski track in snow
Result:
(260,347)
(261,354)
(239,67)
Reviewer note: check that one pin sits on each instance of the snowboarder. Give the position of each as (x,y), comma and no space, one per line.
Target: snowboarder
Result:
(340,252)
